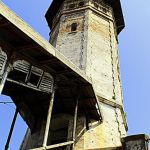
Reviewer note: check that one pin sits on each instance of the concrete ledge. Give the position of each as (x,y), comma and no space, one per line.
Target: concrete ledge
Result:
(114,104)
(109,148)
(138,142)
(136,137)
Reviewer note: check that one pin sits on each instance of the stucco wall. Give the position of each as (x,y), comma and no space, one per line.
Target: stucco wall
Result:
(94,49)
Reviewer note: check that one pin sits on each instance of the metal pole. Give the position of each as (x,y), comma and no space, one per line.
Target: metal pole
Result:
(11,130)
(49,115)
(75,120)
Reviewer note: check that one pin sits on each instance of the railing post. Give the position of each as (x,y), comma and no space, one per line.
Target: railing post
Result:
(11,130)
(75,121)
(49,115)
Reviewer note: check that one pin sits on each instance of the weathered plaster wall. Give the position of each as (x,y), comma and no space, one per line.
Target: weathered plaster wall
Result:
(103,68)
(94,49)
(105,135)
(80,133)
(71,43)
(136,142)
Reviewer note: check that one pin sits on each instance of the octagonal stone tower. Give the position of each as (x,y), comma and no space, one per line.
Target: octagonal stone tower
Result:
(86,32)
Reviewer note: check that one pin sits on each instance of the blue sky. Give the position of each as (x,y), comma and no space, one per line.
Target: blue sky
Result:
(134,60)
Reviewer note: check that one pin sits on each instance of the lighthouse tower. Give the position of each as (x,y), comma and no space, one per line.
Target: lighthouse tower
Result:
(86,32)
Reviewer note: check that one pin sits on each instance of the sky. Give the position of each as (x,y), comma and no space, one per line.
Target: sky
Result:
(134,45)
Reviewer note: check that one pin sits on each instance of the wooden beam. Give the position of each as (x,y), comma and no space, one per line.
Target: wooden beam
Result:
(75,120)
(27,47)
(23,85)
(49,115)
(50,60)
(40,148)
(31,60)
(59,145)
(1,18)
(81,99)
(7,46)
(64,71)
(4,24)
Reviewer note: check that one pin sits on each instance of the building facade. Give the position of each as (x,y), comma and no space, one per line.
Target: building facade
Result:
(86,33)
(68,94)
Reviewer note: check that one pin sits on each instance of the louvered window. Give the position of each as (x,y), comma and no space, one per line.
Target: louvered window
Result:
(3,59)
(46,83)
(20,71)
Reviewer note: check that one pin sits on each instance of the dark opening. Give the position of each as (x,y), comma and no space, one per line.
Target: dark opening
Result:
(96,5)
(58,132)
(104,10)
(34,79)
(63,134)
(81,4)
(17,76)
(71,6)
(73,27)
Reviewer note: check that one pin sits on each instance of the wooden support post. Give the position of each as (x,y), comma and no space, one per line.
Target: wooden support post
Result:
(75,121)
(4,77)
(49,115)
(11,130)
(59,145)
(39,148)
(87,120)
(54,146)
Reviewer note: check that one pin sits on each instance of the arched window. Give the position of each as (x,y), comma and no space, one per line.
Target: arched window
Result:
(73,27)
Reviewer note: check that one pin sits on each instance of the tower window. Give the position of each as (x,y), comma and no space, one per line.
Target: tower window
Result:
(71,6)
(81,4)
(74,27)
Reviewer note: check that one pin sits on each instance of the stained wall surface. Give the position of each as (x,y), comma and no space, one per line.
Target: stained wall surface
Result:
(93,47)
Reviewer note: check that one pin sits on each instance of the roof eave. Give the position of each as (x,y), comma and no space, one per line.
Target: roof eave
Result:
(55,5)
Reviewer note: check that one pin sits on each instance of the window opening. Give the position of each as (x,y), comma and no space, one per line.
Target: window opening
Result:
(71,6)
(73,27)
(35,76)
(34,79)
(17,75)
(81,4)
(20,71)
(96,5)
(104,10)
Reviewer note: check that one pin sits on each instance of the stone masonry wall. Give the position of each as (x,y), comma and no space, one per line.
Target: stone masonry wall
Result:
(93,47)
(103,68)
(71,43)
